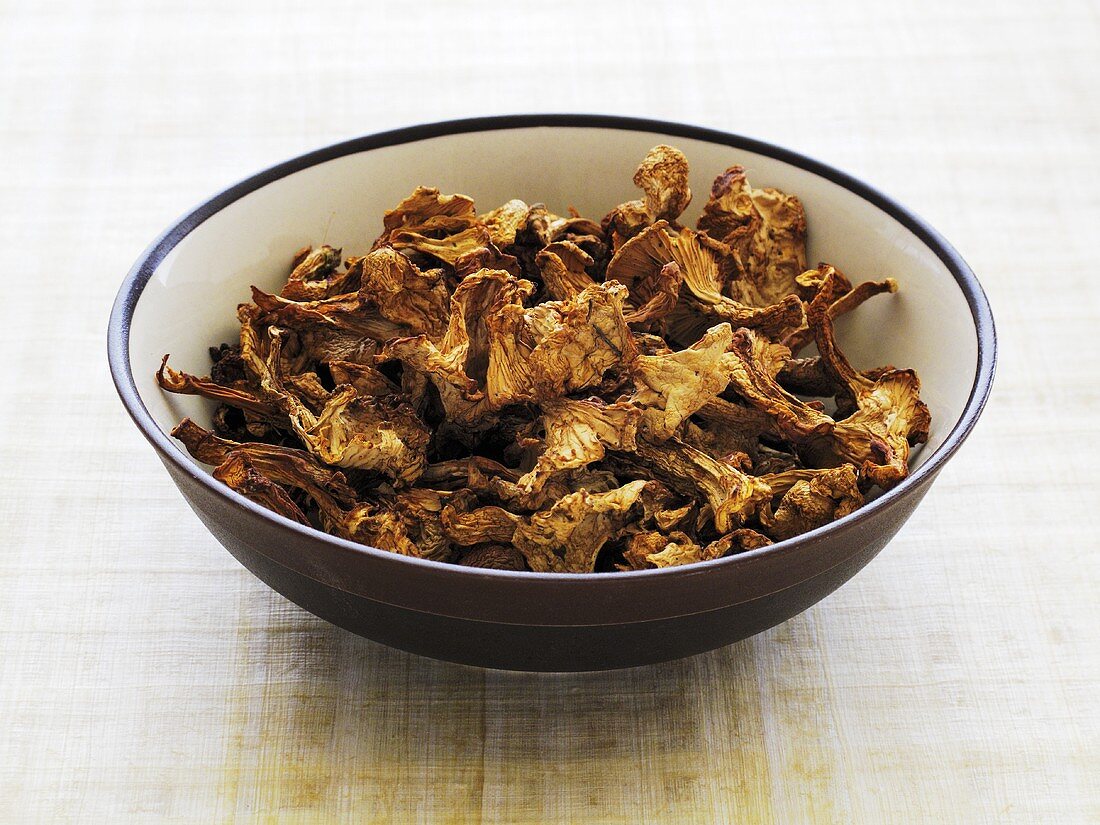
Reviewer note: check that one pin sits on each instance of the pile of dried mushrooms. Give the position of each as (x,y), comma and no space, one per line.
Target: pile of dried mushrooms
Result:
(525,391)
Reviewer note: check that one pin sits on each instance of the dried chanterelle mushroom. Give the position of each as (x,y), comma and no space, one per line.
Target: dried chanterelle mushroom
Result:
(525,391)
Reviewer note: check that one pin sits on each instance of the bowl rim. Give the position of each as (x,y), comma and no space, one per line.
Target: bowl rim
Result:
(129,293)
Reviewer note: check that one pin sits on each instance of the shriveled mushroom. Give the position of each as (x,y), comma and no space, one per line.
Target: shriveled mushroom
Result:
(671,387)
(702,262)
(765,227)
(403,294)
(578,433)
(810,499)
(424,205)
(238,473)
(887,416)
(663,178)
(568,537)
(315,275)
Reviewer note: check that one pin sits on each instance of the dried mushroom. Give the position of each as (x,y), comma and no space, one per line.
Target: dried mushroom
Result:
(709,293)
(519,390)
(404,294)
(663,177)
(766,228)
(314,275)
(810,499)
(568,537)
(579,433)
(886,416)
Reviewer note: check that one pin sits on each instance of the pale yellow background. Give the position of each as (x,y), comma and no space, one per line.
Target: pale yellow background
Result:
(145,676)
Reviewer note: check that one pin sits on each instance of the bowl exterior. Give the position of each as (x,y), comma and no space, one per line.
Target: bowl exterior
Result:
(533,622)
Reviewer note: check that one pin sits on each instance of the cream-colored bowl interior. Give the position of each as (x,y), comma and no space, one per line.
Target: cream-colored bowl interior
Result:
(189,303)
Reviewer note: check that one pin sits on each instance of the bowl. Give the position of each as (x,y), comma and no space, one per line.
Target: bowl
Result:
(181,294)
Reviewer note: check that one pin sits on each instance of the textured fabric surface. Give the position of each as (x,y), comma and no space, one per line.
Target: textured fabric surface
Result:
(145,676)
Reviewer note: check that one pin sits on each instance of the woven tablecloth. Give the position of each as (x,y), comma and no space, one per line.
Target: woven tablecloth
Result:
(145,676)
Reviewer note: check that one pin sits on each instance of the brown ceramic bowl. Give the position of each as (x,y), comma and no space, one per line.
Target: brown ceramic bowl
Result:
(180,297)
